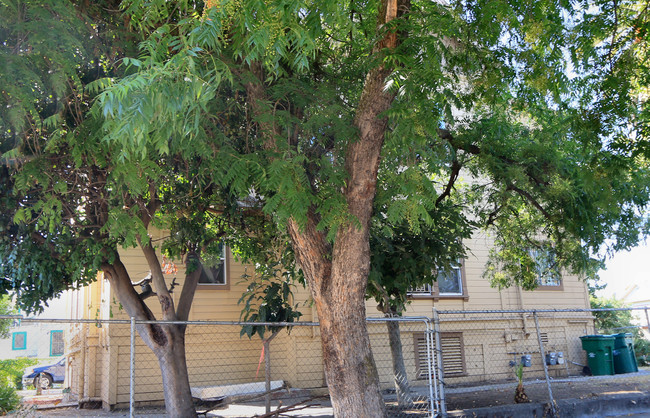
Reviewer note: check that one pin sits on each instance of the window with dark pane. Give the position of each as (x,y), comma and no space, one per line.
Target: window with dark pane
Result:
(57,345)
(450,282)
(213,270)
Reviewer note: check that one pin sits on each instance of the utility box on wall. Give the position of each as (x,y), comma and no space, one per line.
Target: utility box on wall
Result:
(526,360)
(551,359)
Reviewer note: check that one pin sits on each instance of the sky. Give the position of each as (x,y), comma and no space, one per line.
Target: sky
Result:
(628,271)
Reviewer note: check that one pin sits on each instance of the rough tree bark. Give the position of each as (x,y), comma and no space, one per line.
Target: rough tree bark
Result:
(167,341)
(338,275)
(402,385)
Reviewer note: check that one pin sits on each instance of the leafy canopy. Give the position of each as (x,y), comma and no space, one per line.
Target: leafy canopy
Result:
(540,106)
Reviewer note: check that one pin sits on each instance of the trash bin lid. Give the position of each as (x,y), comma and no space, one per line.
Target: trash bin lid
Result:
(597,337)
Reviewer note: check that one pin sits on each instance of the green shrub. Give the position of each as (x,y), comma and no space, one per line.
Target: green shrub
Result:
(642,351)
(11,371)
(9,399)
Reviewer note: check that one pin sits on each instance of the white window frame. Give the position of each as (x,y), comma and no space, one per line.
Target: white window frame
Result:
(432,290)
(226,279)
(548,278)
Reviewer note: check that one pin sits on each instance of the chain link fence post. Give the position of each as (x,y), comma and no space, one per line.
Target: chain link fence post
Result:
(132,371)
(542,352)
(434,404)
(437,355)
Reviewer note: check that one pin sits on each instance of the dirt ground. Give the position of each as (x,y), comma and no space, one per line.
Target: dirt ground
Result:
(537,391)
(457,398)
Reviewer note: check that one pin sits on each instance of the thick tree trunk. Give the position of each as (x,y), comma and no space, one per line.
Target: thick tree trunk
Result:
(173,367)
(338,274)
(338,289)
(350,368)
(166,341)
(402,385)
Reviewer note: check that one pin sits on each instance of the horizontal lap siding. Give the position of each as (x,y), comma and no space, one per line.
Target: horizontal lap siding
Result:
(216,355)
(210,303)
(484,297)
(488,350)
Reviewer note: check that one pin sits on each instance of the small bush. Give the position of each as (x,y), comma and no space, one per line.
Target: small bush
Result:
(642,351)
(9,399)
(11,371)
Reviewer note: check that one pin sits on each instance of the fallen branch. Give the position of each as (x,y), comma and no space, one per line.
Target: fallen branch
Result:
(295,407)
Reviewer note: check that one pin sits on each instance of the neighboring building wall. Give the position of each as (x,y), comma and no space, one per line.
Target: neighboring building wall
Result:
(42,341)
(35,340)
(87,343)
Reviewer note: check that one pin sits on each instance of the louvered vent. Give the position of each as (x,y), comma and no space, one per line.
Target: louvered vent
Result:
(453,356)
(544,337)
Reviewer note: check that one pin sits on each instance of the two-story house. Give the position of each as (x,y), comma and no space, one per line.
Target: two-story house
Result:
(99,354)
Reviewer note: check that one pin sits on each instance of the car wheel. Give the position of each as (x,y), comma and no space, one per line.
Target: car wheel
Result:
(44,381)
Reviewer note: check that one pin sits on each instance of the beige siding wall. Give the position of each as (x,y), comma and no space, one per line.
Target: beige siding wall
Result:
(213,303)
(297,358)
(491,345)
(232,361)
(481,296)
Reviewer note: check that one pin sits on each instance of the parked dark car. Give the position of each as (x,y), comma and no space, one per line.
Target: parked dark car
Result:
(45,376)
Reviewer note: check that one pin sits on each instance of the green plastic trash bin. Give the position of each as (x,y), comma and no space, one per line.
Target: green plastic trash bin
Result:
(624,356)
(599,350)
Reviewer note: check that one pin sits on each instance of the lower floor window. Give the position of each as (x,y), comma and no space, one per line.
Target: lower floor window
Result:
(57,344)
(19,341)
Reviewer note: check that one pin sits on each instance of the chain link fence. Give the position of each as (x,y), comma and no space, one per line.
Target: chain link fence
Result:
(234,375)
(482,350)
(108,365)
(423,363)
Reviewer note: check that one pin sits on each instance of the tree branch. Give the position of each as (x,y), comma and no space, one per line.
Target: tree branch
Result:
(453,176)
(192,263)
(256,97)
(312,248)
(160,287)
(531,199)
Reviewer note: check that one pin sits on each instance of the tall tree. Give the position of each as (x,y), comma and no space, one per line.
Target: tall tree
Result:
(537,101)
(314,108)
(69,201)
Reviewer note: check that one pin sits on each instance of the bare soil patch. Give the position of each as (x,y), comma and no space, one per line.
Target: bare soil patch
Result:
(457,398)
(537,391)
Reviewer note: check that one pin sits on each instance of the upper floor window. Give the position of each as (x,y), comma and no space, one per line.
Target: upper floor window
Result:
(19,341)
(449,284)
(548,273)
(214,272)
